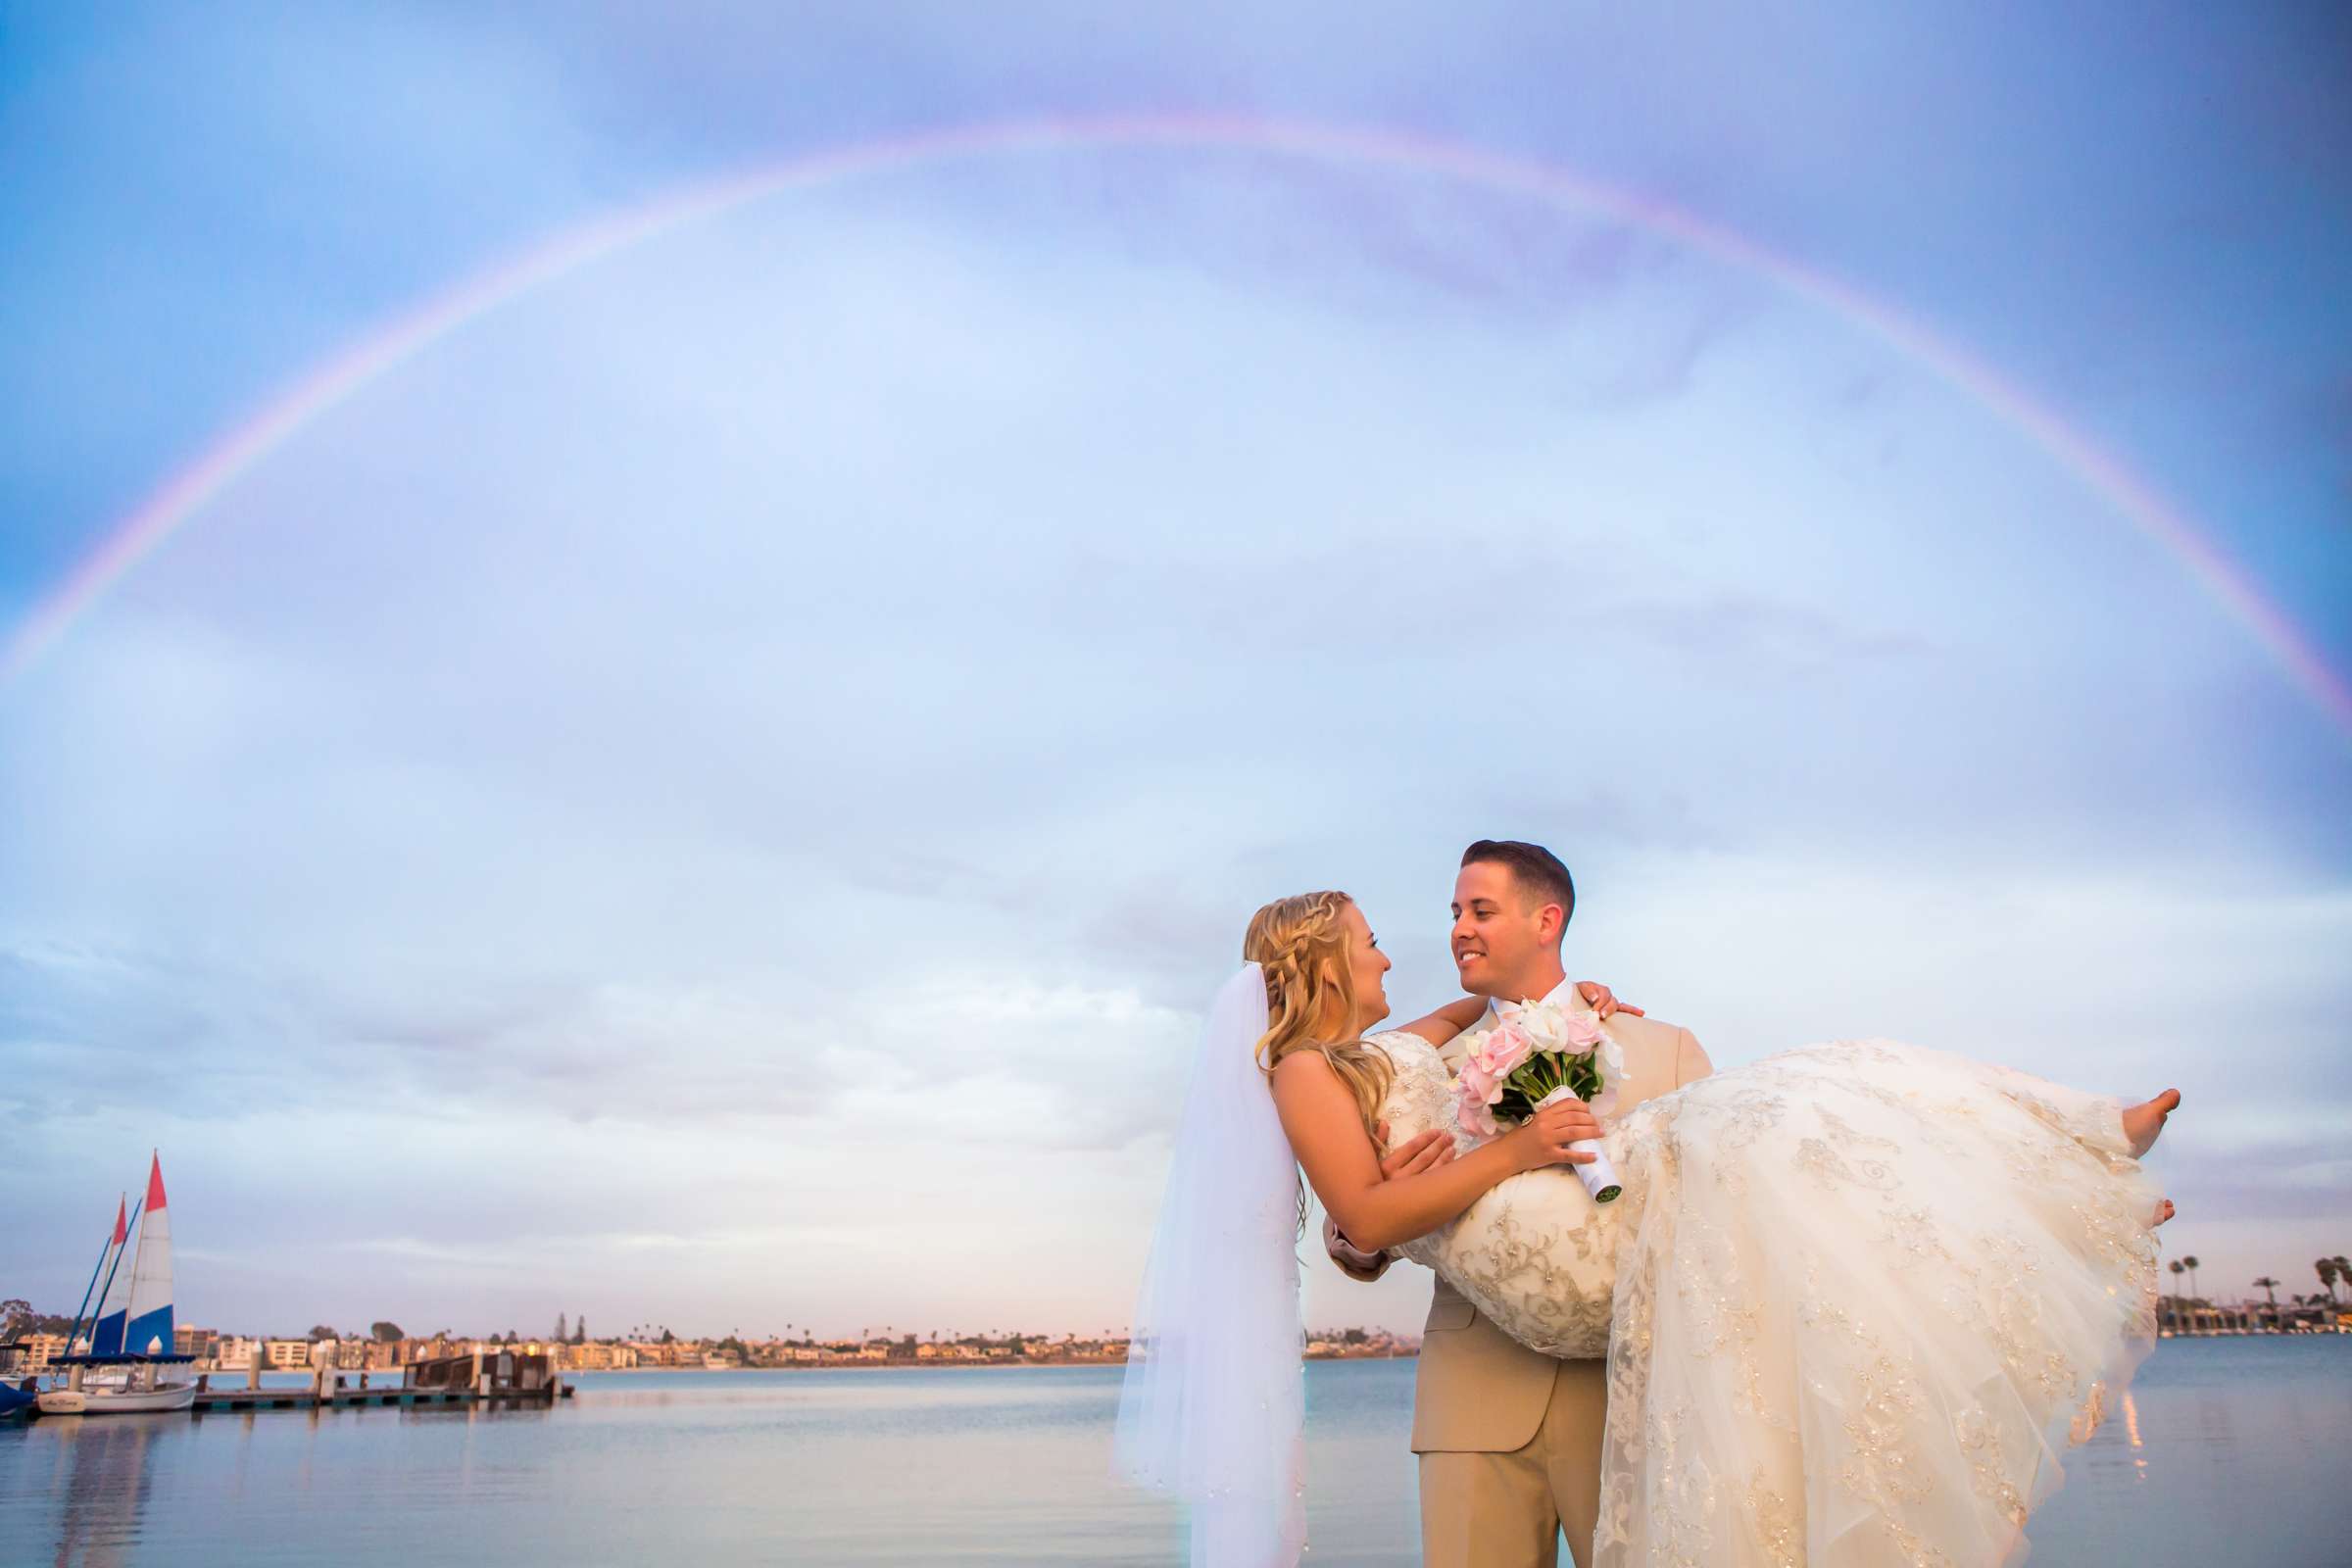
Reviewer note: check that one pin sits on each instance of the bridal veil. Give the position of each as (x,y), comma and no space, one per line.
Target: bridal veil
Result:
(1213,1407)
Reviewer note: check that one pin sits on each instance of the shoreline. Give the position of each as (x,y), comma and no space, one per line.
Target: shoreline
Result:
(1025,1363)
(938,1364)
(845,1364)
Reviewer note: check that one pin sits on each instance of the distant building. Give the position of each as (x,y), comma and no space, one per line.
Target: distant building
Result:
(287,1355)
(39,1349)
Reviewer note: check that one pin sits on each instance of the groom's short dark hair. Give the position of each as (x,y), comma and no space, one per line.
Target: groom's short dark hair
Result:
(1534,867)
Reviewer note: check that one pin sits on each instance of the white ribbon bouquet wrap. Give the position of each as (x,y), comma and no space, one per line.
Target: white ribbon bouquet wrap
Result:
(1539,1052)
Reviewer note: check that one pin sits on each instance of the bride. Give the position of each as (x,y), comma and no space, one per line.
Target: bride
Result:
(1852,1298)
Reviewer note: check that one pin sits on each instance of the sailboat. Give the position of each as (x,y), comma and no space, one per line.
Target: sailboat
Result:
(125,1369)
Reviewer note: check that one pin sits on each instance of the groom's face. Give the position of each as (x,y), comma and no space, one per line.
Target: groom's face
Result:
(1499,931)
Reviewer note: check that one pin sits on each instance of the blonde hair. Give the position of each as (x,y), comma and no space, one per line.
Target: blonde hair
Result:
(1301,944)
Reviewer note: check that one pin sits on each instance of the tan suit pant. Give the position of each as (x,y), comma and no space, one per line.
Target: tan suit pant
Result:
(1509,1510)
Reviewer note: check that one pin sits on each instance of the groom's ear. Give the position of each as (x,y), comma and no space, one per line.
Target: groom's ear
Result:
(1551,923)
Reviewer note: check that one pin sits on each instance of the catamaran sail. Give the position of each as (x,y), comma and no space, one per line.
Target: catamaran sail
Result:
(114,1308)
(109,1251)
(149,1332)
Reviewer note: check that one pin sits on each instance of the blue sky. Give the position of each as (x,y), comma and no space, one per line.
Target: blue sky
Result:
(710,794)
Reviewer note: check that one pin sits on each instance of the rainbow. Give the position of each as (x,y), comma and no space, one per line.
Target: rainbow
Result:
(187,492)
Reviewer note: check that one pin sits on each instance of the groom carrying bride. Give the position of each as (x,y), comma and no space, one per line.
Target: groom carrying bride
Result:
(1854,1298)
(1508,1438)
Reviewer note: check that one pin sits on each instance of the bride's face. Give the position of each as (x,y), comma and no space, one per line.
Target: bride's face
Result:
(1370,966)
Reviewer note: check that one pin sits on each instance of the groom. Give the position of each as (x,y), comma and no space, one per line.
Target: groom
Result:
(1509,1439)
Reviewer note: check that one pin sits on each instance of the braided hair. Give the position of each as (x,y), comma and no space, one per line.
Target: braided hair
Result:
(1301,944)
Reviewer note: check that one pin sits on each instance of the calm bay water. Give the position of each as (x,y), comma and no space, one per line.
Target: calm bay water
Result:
(2233,1452)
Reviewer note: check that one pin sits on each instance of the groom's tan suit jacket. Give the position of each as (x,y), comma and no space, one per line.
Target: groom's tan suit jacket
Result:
(1480,1393)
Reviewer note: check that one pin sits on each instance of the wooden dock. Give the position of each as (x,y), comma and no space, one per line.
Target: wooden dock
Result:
(483,1377)
(226,1401)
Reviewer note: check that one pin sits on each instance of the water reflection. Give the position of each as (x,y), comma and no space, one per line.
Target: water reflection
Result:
(102,1484)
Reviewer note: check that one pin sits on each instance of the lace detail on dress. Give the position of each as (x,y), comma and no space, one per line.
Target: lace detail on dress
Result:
(1861,1295)
(1865,1292)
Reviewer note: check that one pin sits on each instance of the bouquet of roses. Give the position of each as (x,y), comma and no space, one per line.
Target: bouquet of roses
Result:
(1535,1054)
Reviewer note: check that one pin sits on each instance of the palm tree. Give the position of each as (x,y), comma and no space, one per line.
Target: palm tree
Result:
(2270,1286)
(2327,1269)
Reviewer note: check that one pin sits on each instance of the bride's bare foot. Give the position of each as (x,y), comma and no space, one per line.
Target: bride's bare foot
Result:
(2144,1121)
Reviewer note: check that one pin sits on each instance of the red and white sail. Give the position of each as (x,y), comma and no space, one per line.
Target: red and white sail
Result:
(112,1298)
(149,1332)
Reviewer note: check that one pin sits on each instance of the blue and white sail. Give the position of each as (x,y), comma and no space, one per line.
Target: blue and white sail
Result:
(113,1298)
(149,1332)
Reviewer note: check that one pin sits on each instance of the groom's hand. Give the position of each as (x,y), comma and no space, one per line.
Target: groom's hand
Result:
(1425,1152)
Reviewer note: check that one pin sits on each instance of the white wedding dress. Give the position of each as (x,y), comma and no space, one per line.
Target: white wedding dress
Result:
(1854,1298)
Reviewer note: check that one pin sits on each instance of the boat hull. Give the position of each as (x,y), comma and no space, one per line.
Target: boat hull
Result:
(108,1401)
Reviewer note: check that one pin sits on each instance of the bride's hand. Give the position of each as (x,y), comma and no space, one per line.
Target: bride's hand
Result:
(1603,1001)
(1543,1138)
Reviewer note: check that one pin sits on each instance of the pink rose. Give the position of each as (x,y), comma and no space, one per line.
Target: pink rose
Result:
(1583,1031)
(1477,1088)
(1504,1049)
(1476,1117)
